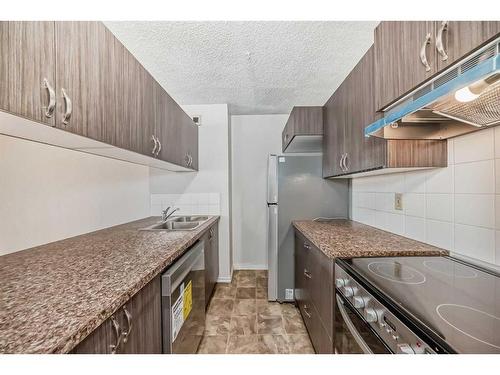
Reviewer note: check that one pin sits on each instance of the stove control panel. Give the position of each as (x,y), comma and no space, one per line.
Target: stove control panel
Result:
(396,335)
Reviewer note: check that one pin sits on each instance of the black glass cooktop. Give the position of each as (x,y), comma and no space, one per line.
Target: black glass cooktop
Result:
(458,302)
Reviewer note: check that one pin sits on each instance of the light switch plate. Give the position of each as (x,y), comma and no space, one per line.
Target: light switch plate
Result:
(398,201)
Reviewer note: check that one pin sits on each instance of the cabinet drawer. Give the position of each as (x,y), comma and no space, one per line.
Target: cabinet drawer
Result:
(321,341)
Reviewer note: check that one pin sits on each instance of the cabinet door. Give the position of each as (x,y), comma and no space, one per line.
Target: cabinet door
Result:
(398,64)
(462,37)
(99,341)
(362,153)
(27,60)
(334,119)
(142,327)
(189,139)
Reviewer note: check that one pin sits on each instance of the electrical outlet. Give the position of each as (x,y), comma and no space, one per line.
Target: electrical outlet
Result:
(398,201)
(289,294)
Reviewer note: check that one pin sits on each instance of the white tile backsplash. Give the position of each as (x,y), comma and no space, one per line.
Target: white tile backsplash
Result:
(188,203)
(455,208)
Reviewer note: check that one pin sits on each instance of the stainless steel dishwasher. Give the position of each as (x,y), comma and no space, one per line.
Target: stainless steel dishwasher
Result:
(183,302)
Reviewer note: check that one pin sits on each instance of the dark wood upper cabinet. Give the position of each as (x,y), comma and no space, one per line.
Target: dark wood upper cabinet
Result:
(334,122)
(401,49)
(303,121)
(27,70)
(459,38)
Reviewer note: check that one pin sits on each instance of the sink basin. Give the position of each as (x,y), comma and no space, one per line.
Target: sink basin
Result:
(190,218)
(171,225)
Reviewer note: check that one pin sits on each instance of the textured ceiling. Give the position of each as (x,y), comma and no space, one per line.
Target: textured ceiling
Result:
(255,67)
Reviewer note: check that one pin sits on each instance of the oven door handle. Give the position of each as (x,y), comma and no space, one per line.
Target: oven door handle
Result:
(350,325)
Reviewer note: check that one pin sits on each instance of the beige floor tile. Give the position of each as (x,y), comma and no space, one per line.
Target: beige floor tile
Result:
(270,325)
(225,291)
(261,293)
(294,325)
(216,325)
(221,307)
(244,307)
(243,325)
(261,282)
(243,344)
(265,307)
(246,281)
(261,273)
(245,293)
(289,309)
(213,345)
(273,344)
(300,344)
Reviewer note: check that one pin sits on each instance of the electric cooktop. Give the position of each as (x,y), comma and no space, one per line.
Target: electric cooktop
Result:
(456,301)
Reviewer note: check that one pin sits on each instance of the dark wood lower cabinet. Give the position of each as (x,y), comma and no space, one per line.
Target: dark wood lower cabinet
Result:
(211,261)
(314,293)
(137,333)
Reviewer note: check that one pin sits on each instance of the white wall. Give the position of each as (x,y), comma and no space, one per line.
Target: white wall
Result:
(206,191)
(50,193)
(253,138)
(456,208)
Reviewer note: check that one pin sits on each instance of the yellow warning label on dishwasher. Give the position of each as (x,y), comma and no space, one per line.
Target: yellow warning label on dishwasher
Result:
(188,299)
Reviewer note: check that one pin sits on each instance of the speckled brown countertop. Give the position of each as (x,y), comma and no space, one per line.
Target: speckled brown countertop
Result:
(350,239)
(53,296)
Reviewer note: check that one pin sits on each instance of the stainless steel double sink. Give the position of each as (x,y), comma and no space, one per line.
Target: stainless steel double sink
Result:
(178,223)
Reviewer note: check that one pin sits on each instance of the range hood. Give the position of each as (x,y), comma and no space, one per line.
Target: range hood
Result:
(462,99)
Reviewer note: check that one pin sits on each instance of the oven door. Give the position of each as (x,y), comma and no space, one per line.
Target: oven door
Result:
(352,334)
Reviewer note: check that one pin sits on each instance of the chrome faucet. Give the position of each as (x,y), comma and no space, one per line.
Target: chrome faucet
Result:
(165,214)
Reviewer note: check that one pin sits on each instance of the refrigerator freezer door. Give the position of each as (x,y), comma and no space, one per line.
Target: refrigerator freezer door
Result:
(272,252)
(272,179)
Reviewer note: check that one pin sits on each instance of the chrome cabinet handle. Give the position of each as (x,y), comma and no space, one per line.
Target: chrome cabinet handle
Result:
(52,98)
(346,165)
(307,274)
(305,311)
(186,159)
(69,107)
(153,138)
(114,347)
(439,40)
(423,52)
(340,162)
(308,247)
(159,147)
(126,333)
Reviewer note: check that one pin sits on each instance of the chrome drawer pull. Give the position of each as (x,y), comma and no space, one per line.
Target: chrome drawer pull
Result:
(52,98)
(439,40)
(69,107)
(423,52)
(307,274)
(306,246)
(126,333)
(118,335)
(305,312)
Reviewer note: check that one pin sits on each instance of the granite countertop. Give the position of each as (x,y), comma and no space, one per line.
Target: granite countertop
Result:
(52,296)
(350,239)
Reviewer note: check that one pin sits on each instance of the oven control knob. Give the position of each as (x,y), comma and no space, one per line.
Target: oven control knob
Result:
(404,349)
(360,302)
(370,315)
(349,291)
(339,283)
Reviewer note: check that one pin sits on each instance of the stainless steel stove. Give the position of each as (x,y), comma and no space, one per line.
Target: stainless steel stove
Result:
(416,305)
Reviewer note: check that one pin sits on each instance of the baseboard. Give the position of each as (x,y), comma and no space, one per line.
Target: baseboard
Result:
(224,280)
(250,267)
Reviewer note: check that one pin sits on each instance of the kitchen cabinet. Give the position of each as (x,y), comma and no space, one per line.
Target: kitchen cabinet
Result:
(404,57)
(135,328)
(304,123)
(211,261)
(27,74)
(314,293)
(77,77)
(346,150)
(459,38)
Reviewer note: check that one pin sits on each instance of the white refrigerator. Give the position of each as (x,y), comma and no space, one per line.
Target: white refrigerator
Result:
(296,190)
